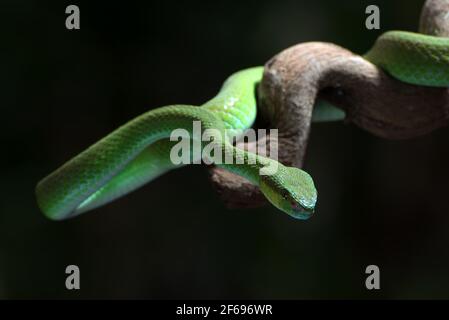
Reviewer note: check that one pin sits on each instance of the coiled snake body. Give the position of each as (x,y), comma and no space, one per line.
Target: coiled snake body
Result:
(138,152)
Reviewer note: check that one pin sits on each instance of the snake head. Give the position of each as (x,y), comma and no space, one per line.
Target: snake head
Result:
(290,190)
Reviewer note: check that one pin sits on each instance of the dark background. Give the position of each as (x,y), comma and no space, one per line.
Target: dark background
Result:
(380,202)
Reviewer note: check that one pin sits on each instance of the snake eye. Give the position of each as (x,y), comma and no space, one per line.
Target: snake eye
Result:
(295,206)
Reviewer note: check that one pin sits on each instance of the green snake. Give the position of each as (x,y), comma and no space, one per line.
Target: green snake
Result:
(139,151)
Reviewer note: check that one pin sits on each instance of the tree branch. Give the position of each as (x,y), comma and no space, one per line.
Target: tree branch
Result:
(373,101)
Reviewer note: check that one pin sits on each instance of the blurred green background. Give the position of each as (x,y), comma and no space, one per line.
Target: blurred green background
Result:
(380,202)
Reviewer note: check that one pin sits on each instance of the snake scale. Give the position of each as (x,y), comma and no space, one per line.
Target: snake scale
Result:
(139,151)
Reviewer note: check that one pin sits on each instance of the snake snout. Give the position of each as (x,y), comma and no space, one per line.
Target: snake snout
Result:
(300,211)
